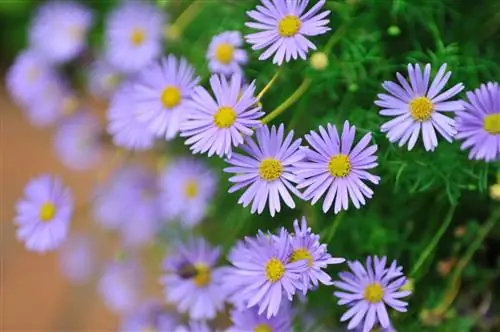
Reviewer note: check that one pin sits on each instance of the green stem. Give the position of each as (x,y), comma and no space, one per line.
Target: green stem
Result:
(333,228)
(335,38)
(269,84)
(432,245)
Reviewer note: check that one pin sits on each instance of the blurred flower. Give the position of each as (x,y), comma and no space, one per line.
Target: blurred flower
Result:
(44,214)
(444,266)
(224,54)
(418,107)
(134,35)
(267,171)
(162,92)
(306,246)
(284,26)
(495,191)
(460,231)
(193,326)
(149,316)
(120,285)
(59,30)
(368,290)
(192,281)
(215,126)
(479,124)
(187,187)
(78,141)
(77,258)
(319,60)
(336,168)
(262,273)
(127,131)
(249,320)
(103,78)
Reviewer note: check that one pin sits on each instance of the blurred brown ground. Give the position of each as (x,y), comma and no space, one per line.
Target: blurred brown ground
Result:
(34,295)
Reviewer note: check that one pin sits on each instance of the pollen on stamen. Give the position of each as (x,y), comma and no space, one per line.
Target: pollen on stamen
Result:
(275,270)
(263,328)
(270,169)
(340,166)
(374,293)
(224,53)
(137,36)
(225,117)
(421,108)
(492,124)
(289,26)
(47,211)
(170,97)
(203,275)
(300,254)
(191,189)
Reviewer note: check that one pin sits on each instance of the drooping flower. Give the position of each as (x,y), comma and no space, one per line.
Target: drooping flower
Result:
(120,285)
(78,141)
(134,35)
(479,124)
(127,131)
(77,258)
(191,280)
(224,54)
(262,274)
(162,93)
(149,316)
(187,187)
(306,246)
(59,30)
(267,171)
(417,107)
(284,27)
(216,125)
(103,78)
(44,214)
(368,289)
(335,168)
(249,320)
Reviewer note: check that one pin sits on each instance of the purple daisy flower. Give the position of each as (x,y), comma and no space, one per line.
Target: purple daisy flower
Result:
(78,141)
(267,171)
(284,28)
(336,168)
(194,326)
(418,107)
(59,30)
(127,131)
(162,92)
(187,187)
(368,289)
(479,124)
(134,33)
(262,273)
(120,285)
(215,126)
(192,281)
(103,79)
(306,246)
(224,54)
(149,316)
(249,320)
(44,214)
(77,258)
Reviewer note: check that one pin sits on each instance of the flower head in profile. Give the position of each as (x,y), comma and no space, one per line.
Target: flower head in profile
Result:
(78,141)
(103,78)
(191,280)
(336,168)
(149,316)
(77,258)
(417,107)
(306,246)
(44,213)
(162,92)
(368,289)
(225,55)
(285,26)
(187,187)
(245,320)
(127,131)
(479,124)
(134,32)
(215,126)
(262,274)
(267,170)
(59,30)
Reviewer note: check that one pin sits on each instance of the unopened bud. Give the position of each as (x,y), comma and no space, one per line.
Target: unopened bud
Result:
(319,60)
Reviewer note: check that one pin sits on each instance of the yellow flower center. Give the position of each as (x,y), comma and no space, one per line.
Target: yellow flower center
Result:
(137,36)
(225,117)
(374,293)
(111,80)
(224,53)
(300,254)
(203,275)
(170,97)
(339,166)
(47,211)
(289,26)
(270,169)
(263,328)
(274,269)
(492,123)
(191,189)
(421,108)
